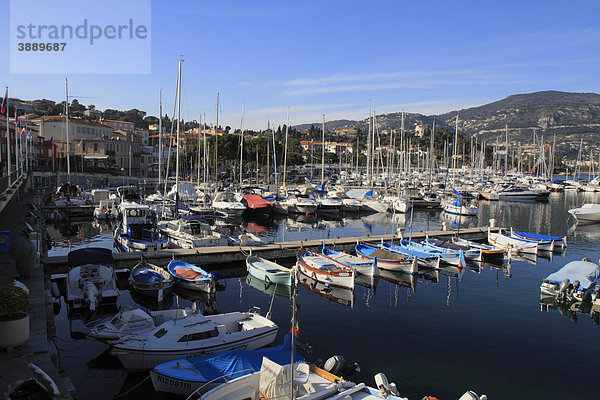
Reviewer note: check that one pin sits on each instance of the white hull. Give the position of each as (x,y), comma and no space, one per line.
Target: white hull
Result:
(586,213)
(511,244)
(144,359)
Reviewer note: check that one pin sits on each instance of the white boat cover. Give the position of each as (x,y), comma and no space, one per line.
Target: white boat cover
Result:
(587,273)
(274,380)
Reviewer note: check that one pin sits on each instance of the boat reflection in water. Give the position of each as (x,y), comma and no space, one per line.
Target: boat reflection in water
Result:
(208,300)
(269,288)
(587,231)
(570,309)
(460,221)
(332,293)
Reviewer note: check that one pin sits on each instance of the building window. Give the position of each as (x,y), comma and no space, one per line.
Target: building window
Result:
(95,147)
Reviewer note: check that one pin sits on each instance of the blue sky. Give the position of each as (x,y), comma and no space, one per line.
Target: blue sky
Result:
(331,56)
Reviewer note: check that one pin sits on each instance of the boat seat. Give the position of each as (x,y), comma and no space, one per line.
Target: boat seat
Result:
(301,374)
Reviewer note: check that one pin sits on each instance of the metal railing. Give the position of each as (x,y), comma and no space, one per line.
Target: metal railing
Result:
(4,181)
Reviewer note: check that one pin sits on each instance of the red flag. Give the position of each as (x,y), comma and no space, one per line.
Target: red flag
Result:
(295,329)
(79,144)
(23,131)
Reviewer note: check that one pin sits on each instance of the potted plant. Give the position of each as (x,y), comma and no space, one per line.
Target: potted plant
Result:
(14,318)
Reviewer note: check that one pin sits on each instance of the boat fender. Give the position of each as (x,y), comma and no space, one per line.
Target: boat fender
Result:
(56,305)
(104,209)
(430,398)
(55,290)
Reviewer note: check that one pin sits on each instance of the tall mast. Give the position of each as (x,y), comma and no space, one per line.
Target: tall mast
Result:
(274,156)
(67,130)
(287,128)
(268,175)
(323,154)
(178,127)
(506,148)
(369,177)
(8,139)
(204,158)
(216,142)
(198,150)
(160,148)
(242,144)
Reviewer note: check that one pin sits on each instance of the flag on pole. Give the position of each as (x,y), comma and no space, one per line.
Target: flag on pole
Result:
(79,144)
(17,122)
(29,134)
(295,330)
(4,102)
(23,131)
(51,140)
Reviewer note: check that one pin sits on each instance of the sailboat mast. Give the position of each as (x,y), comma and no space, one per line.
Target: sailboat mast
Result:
(67,130)
(160,149)
(287,129)
(8,141)
(216,144)
(198,150)
(242,144)
(506,149)
(178,127)
(274,156)
(204,158)
(369,177)
(323,153)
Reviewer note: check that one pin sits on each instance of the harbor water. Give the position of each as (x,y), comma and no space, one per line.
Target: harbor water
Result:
(483,329)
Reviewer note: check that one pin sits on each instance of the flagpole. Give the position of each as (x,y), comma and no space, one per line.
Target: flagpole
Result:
(7,138)
(16,144)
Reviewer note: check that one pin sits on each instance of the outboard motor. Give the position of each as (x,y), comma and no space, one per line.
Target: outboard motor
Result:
(338,365)
(562,289)
(385,388)
(573,289)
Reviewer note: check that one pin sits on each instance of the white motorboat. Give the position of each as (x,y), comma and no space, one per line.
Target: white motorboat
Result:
(106,209)
(299,204)
(587,213)
(227,202)
(326,204)
(456,207)
(194,335)
(132,322)
(91,279)
(138,231)
(191,231)
(576,281)
(513,193)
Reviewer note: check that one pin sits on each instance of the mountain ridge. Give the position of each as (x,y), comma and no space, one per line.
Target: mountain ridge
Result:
(548,112)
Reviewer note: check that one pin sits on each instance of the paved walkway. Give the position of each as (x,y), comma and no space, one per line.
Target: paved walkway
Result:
(39,349)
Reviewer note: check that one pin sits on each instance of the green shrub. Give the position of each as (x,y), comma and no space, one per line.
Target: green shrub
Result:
(13,299)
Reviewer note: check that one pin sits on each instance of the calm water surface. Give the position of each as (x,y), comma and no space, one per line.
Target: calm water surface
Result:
(484,330)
